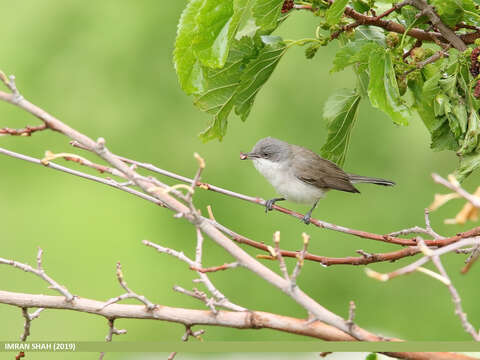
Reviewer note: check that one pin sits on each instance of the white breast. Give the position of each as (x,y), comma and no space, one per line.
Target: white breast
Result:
(286,183)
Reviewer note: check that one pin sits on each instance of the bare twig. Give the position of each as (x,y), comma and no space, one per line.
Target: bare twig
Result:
(475,254)
(26,131)
(467,326)
(216,268)
(413,266)
(196,179)
(351,314)
(300,260)
(28,320)
(129,293)
(113,331)
(276,253)
(446,32)
(98,147)
(454,185)
(221,300)
(41,273)
(434,255)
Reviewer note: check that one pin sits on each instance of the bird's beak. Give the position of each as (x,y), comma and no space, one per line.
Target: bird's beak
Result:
(250,155)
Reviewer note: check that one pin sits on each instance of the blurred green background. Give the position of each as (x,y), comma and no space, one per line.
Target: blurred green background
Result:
(105,68)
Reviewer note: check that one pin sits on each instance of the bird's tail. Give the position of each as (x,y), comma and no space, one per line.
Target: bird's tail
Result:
(365,179)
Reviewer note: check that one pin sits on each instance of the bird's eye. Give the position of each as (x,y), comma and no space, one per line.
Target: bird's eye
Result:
(265,154)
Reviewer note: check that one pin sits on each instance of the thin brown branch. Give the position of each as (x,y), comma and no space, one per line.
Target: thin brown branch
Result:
(322,224)
(416,33)
(395,7)
(26,131)
(99,147)
(446,32)
(216,268)
(420,262)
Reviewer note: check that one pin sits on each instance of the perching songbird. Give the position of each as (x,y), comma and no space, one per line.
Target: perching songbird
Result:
(300,175)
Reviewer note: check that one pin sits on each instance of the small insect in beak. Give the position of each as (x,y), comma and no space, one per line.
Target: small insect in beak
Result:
(243,156)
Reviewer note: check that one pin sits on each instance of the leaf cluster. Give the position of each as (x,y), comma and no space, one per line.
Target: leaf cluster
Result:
(225,52)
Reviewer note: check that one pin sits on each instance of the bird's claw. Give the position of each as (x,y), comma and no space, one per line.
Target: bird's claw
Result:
(306,219)
(269,205)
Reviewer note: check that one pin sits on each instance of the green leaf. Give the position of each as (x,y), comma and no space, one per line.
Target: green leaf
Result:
(215,24)
(372,33)
(360,5)
(471,137)
(222,86)
(450,11)
(257,73)
(371,356)
(383,88)
(353,52)
(443,139)
(341,112)
(248,67)
(188,67)
(205,32)
(335,12)
(267,13)
(467,164)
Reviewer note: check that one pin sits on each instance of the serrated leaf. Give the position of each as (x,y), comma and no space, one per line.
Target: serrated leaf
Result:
(467,164)
(360,5)
(267,13)
(188,67)
(372,33)
(450,11)
(335,12)
(383,88)
(353,52)
(236,85)
(341,112)
(222,87)
(215,24)
(471,137)
(257,73)
(205,32)
(443,139)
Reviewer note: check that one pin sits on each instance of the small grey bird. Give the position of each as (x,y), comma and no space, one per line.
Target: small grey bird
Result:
(300,175)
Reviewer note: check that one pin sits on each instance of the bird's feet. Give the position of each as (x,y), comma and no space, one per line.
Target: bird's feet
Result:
(306,219)
(269,204)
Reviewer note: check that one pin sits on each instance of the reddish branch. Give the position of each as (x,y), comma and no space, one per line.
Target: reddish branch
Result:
(27,131)
(322,224)
(445,35)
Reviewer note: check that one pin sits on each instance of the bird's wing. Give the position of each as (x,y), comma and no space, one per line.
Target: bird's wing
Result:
(317,171)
